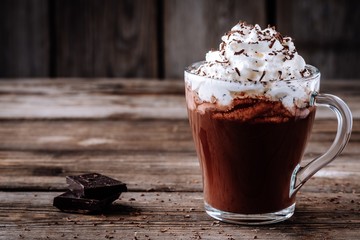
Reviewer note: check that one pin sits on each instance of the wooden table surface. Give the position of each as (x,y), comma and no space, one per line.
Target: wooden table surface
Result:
(137,131)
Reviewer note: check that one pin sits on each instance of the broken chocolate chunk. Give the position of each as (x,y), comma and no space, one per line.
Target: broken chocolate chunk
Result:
(89,193)
(69,202)
(94,186)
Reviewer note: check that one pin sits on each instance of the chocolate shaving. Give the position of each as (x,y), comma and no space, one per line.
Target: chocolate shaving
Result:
(237,71)
(280,72)
(222,62)
(279,37)
(303,72)
(286,47)
(222,46)
(239,52)
(262,76)
(272,43)
(250,80)
(234,31)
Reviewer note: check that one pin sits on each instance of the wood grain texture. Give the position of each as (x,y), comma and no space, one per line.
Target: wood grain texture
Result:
(24,38)
(106,38)
(192,28)
(146,154)
(44,169)
(124,135)
(147,215)
(324,33)
(154,155)
(104,98)
(151,39)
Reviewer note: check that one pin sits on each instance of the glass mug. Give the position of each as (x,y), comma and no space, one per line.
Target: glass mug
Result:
(251,167)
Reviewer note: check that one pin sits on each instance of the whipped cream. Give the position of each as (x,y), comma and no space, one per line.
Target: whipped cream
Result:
(253,62)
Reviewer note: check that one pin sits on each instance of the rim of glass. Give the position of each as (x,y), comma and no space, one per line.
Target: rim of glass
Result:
(315,72)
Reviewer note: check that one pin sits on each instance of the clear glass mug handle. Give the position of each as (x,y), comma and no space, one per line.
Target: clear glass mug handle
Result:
(345,121)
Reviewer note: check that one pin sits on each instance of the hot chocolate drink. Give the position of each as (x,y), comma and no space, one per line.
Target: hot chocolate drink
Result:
(251,118)
(251,107)
(248,154)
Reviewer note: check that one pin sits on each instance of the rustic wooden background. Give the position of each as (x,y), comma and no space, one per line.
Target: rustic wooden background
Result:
(158,38)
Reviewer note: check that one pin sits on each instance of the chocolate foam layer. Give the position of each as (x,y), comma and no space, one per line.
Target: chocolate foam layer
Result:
(255,110)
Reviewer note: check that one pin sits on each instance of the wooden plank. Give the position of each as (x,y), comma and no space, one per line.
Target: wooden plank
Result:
(321,20)
(110,135)
(83,106)
(99,98)
(106,38)
(319,33)
(146,215)
(145,154)
(119,99)
(102,86)
(97,135)
(143,171)
(192,28)
(155,156)
(24,41)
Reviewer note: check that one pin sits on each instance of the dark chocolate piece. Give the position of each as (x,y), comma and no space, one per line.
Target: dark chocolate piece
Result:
(94,185)
(69,202)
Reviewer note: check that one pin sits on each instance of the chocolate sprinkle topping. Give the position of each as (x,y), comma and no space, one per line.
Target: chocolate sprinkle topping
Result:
(303,72)
(279,37)
(222,62)
(237,71)
(273,46)
(239,52)
(272,43)
(262,76)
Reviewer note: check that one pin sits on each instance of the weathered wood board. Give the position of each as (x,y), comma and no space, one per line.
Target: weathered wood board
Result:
(151,149)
